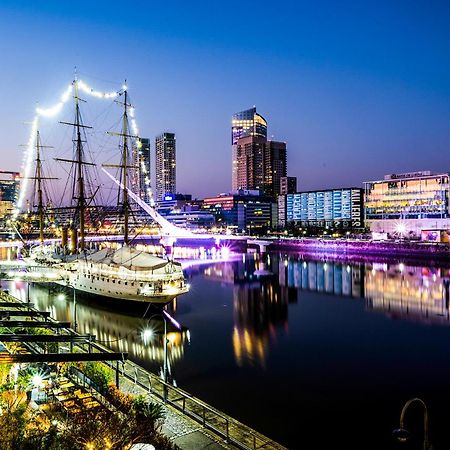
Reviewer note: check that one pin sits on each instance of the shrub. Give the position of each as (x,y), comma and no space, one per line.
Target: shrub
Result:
(100,374)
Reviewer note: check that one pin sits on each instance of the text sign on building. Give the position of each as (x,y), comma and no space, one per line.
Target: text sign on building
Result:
(356,208)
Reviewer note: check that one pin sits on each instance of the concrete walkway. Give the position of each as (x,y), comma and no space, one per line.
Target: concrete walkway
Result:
(179,428)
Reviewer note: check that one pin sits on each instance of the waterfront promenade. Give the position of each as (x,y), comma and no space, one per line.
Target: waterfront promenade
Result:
(189,422)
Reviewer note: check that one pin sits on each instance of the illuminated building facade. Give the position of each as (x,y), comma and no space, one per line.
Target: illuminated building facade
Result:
(144,169)
(407,203)
(140,175)
(9,191)
(165,165)
(250,162)
(334,209)
(244,124)
(260,164)
(243,210)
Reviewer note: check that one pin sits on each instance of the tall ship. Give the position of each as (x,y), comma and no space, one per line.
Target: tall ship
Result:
(124,273)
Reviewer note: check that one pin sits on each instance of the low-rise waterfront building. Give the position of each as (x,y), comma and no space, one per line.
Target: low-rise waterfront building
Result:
(407,203)
(327,209)
(243,210)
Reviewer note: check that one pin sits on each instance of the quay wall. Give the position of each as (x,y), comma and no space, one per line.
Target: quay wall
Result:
(406,249)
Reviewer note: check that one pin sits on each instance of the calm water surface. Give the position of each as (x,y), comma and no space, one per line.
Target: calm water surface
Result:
(306,352)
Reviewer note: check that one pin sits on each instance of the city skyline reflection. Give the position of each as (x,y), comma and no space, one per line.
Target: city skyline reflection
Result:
(261,303)
(262,290)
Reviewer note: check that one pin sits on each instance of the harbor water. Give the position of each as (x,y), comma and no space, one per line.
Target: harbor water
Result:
(305,351)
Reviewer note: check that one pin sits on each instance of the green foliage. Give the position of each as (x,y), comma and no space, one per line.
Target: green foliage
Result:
(147,410)
(9,386)
(99,373)
(25,376)
(5,370)
(50,347)
(12,421)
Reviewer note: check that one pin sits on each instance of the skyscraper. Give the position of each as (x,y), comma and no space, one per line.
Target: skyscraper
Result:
(275,166)
(9,190)
(244,124)
(260,164)
(144,170)
(140,176)
(250,152)
(165,165)
(288,185)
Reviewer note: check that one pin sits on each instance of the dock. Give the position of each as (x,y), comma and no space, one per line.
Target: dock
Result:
(190,423)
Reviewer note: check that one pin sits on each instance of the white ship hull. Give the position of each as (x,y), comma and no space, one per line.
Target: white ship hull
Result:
(120,289)
(124,274)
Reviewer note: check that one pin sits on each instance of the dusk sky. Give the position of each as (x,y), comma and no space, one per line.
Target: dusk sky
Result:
(356,90)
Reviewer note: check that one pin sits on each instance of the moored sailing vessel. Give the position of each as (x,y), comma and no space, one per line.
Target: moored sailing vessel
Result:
(120,274)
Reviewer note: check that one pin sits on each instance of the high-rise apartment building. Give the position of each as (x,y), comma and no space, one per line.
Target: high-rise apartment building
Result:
(275,166)
(9,190)
(140,176)
(245,124)
(260,164)
(250,155)
(165,165)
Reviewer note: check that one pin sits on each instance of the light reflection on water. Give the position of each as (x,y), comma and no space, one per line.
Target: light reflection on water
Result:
(255,320)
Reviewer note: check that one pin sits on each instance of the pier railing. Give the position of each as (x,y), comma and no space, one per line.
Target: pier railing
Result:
(229,429)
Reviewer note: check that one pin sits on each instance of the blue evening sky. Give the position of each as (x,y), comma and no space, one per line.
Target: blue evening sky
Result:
(356,89)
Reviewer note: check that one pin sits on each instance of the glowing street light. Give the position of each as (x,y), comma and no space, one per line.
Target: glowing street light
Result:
(149,333)
(402,434)
(36,381)
(400,229)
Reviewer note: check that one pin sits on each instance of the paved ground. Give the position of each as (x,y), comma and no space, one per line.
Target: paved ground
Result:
(179,428)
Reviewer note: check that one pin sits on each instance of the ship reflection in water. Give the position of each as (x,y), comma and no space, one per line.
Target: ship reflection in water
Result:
(116,330)
(262,288)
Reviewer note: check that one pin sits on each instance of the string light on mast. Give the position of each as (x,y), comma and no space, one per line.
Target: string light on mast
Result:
(52,111)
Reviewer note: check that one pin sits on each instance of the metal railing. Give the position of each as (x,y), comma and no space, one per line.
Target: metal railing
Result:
(223,426)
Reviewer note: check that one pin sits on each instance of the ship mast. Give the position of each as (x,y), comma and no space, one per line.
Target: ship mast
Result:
(124,166)
(79,158)
(40,188)
(125,201)
(79,186)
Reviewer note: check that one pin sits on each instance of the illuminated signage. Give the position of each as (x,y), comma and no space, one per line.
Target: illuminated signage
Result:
(340,208)
(356,208)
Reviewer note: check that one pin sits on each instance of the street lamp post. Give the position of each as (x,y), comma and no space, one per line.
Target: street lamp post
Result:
(165,358)
(74,309)
(402,434)
(166,316)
